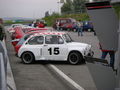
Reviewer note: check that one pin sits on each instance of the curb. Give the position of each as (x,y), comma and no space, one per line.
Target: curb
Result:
(10,79)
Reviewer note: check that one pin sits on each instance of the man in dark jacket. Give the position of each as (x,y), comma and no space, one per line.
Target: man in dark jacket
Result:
(2,30)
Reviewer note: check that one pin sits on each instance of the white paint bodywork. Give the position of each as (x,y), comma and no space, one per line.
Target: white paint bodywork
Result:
(41,51)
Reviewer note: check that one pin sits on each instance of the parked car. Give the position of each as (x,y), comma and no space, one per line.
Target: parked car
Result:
(18,34)
(56,46)
(64,23)
(67,26)
(87,26)
(11,28)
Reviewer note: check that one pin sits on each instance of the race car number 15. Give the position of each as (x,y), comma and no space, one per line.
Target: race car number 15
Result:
(54,51)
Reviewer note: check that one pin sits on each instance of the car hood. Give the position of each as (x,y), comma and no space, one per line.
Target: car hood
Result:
(78,44)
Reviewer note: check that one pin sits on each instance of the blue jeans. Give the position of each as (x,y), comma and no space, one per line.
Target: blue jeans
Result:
(112,57)
(58,28)
(79,31)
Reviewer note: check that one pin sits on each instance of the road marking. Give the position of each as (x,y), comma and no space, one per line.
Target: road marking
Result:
(69,80)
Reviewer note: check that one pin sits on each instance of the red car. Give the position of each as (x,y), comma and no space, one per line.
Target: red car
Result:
(64,23)
(17,35)
(68,26)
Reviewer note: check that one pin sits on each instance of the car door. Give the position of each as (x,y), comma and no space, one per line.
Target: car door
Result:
(54,48)
(35,45)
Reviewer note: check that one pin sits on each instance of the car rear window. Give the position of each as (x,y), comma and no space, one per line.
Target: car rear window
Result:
(36,40)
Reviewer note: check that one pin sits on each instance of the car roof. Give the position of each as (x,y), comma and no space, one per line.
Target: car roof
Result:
(39,29)
(35,31)
(48,33)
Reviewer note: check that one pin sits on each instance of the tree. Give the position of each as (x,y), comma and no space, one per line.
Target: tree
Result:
(47,13)
(67,7)
(74,6)
(79,6)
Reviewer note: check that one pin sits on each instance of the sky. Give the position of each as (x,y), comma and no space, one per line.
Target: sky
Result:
(28,8)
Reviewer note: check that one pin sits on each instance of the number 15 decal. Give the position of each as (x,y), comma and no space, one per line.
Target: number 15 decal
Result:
(54,51)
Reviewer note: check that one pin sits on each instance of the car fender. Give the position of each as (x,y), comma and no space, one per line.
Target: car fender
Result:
(22,50)
(37,55)
(76,49)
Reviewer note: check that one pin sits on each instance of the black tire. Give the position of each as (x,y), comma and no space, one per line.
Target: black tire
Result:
(27,57)
(75,58)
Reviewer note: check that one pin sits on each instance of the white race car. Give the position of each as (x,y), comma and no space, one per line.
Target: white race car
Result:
(55,46)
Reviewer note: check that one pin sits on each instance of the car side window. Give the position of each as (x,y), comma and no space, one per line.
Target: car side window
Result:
(53,39)
(36,40)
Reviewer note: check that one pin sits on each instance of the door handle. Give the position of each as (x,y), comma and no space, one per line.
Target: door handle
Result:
(45,45)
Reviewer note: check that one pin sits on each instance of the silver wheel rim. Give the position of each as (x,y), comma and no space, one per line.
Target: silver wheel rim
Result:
(73,58)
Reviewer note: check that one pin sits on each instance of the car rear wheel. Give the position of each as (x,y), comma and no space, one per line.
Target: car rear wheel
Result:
(75,58)
(27,57)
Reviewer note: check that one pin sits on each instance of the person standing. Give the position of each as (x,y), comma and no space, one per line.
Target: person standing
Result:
(2,30)
(41,25)
(112,56)
(2,47)
(58,25)
(79,28)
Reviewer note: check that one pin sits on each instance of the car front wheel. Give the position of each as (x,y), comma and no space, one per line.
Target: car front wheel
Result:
(27,57)
(75,58)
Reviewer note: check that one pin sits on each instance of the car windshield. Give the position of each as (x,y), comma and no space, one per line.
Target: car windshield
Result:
(67,38)
(22,40)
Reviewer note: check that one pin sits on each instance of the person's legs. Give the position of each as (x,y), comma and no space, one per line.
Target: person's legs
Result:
(78,29)
(103,54)
(112,58)
(81,32)
(57,28)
